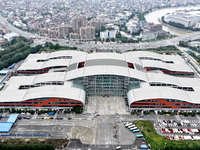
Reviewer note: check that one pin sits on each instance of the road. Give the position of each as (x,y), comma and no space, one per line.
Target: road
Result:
(87,46)
(123,47)
(191,61)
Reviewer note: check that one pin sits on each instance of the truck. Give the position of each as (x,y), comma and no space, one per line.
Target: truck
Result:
(134,128)
(118,148)
(189,51)
(12,66)
(51,113)
(32,37)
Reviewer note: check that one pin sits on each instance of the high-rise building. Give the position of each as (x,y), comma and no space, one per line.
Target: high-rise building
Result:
(65,30)
(97,23)
(78,22)
(74,36)
(87,33)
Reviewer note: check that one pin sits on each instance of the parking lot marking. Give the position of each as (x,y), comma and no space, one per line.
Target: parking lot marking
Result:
(120,106)
(92,105)
(114,107)
(109,108)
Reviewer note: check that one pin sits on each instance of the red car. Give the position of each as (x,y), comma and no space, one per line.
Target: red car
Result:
(199,130)
(167,137)
(163,130)
(171,130)
(183,130)
(190,130)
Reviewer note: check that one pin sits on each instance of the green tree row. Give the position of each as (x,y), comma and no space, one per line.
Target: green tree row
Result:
(48,46)
(20,53)
(197,58)
(26,147)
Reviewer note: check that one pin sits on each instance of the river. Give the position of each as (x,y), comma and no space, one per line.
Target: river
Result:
(155,15)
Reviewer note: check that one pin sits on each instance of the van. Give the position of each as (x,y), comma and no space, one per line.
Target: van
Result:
(131,126)
(134,128)
(128,124)
(118,148)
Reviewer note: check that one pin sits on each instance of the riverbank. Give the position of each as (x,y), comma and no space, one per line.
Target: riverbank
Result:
(187,31)
(178,25)
(158,13)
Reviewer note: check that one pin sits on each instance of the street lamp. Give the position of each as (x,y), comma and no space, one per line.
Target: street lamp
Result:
(165,145)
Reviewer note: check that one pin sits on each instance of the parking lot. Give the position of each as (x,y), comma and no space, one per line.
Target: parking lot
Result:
(55,128)
(106,105)
(183,129)
(97,129)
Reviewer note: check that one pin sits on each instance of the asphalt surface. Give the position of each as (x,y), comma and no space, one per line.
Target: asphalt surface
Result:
(98,131)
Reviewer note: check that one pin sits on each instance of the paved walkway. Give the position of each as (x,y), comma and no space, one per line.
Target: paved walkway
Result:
(85,130)
(106,105)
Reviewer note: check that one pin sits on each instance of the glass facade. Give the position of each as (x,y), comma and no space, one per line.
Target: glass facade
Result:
(107,84)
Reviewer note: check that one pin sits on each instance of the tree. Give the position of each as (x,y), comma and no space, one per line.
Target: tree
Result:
(78,109)
(107,40)
(183,43)
(57,46)
(141,16)
(47,44)
(113,39)
(17,57)
(33,50)
(118,35)
(13,110)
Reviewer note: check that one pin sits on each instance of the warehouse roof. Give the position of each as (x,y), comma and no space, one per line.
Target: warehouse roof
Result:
(5,126)
(12,118)
(160,93)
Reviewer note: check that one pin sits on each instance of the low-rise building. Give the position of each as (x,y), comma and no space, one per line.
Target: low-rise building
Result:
(107,34)
(10,36)
(132,28)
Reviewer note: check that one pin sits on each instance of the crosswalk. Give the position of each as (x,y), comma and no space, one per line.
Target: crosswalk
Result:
(106,105)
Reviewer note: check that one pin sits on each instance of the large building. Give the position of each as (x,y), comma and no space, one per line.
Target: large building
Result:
(186,20)
(97,23)
(87,33)
(65,30)
(78,22)
(63,79)
(107,34)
